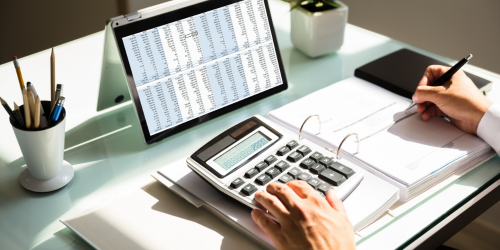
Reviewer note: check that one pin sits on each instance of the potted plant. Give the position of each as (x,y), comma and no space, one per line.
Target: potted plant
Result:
(317,26)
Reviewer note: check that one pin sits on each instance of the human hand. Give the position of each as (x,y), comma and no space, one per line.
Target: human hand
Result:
(458,99)
(307,220)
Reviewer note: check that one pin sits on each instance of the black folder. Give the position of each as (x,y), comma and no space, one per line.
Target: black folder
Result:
(401,71)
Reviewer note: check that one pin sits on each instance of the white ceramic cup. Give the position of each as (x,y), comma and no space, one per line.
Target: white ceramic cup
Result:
(43,149)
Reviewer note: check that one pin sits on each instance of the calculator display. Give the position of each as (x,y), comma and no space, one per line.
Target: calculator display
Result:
(241,151)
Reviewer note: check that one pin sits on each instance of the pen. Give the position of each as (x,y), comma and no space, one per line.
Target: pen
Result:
(54,117)
(17,113)
(18,71)
(447,76)
(59,92)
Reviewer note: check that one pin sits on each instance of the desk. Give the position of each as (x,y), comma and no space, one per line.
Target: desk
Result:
(110,158)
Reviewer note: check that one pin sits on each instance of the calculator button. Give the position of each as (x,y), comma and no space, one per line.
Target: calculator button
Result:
(251,173)
(324,187)
(237,183)
(270,159)
(314,182)
(273,172)
(294,157)
(283,151)
(322,195)
(307,163)
(317,168)
(263,179)
(316,156)
(248,189)
(291,145)
(294,172)
(325,161)
(261,166)
(304,150)
(285,178)
(282,166)
(304,176)
(343,170)
(332,177)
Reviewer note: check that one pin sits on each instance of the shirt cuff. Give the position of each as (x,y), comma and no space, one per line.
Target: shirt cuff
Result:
(489,127)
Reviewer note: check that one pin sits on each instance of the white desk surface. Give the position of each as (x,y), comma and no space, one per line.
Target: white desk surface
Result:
(110,158)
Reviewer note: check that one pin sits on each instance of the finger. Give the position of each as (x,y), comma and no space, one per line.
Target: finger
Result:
(334,201)
(284,193)
(421,107)
(427,94)
(271,203)
(266,224)
(431,74)
(431,111)
(301,188)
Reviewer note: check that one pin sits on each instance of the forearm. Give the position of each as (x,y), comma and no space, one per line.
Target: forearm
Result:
(489,127)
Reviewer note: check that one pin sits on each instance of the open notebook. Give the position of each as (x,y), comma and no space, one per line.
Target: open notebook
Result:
(397,146)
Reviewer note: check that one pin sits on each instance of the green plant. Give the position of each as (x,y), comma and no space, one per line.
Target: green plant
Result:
(316,3)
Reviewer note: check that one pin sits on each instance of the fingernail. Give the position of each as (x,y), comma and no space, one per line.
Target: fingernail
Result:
(414,98)
(254,212)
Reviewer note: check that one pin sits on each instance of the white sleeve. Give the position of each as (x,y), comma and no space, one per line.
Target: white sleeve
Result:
(489,127)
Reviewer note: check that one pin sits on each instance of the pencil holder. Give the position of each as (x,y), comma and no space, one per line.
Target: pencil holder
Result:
(43,151)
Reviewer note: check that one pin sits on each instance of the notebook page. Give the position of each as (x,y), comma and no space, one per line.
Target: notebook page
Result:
(398,144)
(349,106)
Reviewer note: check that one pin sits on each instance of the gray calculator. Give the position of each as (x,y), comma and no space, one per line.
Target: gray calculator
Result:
(250,155)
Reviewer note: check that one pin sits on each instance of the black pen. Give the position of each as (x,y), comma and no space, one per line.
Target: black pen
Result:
(447,76)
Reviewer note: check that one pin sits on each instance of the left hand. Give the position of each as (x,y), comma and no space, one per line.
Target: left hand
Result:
(307,220)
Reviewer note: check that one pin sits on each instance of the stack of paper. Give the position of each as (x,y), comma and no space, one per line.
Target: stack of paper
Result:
(399,147)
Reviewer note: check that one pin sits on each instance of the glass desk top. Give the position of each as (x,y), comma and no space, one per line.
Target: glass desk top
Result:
(107,151)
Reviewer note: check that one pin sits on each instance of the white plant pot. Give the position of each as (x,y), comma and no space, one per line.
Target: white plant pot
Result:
(318,33)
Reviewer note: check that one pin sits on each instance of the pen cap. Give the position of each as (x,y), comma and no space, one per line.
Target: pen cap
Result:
(43,149)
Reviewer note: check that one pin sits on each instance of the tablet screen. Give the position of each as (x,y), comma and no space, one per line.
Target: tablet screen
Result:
(188,68)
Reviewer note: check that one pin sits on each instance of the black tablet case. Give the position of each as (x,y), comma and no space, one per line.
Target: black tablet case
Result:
(401,71)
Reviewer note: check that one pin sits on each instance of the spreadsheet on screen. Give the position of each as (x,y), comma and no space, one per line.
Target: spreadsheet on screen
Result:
(188,68)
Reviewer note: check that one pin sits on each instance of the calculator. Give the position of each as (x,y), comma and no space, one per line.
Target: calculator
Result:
(250,155)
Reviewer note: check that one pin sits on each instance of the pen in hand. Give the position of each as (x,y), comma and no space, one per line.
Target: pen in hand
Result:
(446,76)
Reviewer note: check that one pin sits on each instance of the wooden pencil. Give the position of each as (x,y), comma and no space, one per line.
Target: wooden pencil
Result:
(17,113)
(31,100)
(18,71)
(52,78)
(37,112)
(27,113)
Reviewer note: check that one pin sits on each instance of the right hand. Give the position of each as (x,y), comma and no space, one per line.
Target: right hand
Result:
(458,99)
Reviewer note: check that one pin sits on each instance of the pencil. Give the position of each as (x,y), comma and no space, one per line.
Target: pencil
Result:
(37,112)
(6,107)
(31,100)
(17,113)
(52,78)
(18,71)
(27,114)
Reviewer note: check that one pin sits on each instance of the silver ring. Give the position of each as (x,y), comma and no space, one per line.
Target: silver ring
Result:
(302,127)
(345,138)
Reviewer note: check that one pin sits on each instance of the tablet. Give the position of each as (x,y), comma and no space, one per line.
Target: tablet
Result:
(192,64)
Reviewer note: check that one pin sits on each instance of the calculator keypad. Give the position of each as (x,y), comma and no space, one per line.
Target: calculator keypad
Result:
(294,157)
(307,163)
(237,183)
(261,166)
(248,189)
(319,171)
(273,172)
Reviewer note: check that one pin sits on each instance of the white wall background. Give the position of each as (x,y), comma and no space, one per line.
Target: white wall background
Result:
(452,28)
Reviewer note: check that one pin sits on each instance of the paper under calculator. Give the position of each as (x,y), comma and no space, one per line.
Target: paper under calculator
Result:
(250,155)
